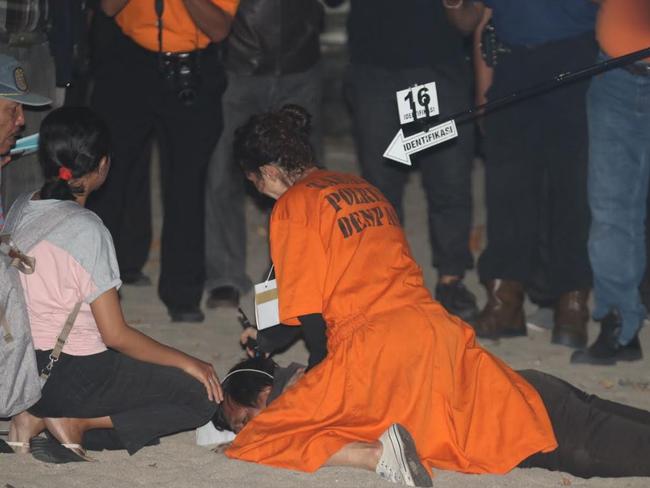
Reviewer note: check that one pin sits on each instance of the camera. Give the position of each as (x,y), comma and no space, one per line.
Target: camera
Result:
(492,48)
(182,74)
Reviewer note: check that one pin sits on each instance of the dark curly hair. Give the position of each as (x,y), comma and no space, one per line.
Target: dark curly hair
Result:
(75,138)
(280,137)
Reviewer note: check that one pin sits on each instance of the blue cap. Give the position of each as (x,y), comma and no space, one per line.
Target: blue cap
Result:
(13,84)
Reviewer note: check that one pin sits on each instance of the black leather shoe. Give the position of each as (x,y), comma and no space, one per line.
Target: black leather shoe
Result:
(135,278)
(189,314)
(606,350)
(457,300)
(223,297)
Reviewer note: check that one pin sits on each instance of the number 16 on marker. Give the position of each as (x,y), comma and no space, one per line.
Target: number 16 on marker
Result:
(413,102)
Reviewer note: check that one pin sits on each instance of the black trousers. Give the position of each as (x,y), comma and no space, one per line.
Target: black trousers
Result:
(540,137)
(595,437)
(132,97)
(145,401)
(446,169)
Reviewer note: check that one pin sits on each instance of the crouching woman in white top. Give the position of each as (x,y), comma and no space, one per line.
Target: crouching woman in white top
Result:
(111,381)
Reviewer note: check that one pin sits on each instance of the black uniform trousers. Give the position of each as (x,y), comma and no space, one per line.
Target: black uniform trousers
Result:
(540,137)
(595,437)
(133,98)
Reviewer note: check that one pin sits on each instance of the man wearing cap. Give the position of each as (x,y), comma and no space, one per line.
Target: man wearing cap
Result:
(14,93)
(23,36)
(158,71)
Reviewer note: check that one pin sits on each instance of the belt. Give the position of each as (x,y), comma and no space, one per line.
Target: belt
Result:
(638,69)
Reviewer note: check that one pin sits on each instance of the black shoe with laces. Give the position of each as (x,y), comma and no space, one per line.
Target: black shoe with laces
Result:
(606,349)
(457,300)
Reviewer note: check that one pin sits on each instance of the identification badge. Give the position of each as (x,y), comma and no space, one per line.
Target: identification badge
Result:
(267,311)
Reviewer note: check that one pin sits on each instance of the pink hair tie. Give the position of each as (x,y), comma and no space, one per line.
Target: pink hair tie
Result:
(65,174)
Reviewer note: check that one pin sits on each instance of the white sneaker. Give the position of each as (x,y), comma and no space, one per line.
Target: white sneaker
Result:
(399,460)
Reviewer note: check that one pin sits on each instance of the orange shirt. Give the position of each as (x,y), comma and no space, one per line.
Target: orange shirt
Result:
(623,26)
(394,354)
(138,20)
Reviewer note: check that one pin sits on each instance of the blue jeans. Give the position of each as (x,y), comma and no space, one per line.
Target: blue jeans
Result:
(618,104)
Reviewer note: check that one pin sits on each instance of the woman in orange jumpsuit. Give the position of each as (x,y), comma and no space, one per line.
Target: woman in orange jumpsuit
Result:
(394,355)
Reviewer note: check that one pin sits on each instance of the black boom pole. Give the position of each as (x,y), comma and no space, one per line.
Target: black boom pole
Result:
(557,80)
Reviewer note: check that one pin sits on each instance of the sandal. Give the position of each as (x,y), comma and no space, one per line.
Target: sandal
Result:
(5,448)
(18,447)
(49,450)
(14,447)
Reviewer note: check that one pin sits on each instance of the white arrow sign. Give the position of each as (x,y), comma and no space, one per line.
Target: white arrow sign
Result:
(400,148)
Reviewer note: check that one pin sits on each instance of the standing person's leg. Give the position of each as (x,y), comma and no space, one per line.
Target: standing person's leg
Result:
(189,133)
(126,79)
(565,149)
(595,437)
(619,170)
(446,178)
(513,170)
(370,93)
(136,227)
(225,216)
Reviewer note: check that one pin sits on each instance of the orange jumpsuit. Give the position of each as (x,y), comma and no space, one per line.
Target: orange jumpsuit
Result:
(394,354)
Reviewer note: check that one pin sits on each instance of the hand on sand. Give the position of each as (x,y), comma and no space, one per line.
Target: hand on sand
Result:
(204,372)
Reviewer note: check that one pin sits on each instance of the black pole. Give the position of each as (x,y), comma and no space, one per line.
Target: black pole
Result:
(544,86)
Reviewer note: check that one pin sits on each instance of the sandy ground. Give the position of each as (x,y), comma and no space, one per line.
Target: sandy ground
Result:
(179,462)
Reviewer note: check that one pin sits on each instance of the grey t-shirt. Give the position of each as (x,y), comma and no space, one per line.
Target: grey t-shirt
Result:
(75,262)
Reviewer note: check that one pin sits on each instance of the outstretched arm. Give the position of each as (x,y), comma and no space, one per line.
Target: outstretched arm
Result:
(118,335)
(313,330)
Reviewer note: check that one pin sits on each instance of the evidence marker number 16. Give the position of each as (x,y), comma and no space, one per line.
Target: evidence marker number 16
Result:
(418,102)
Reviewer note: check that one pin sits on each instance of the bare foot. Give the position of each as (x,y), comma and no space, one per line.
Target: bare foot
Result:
(71,430)
(23,427)
(66,430)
